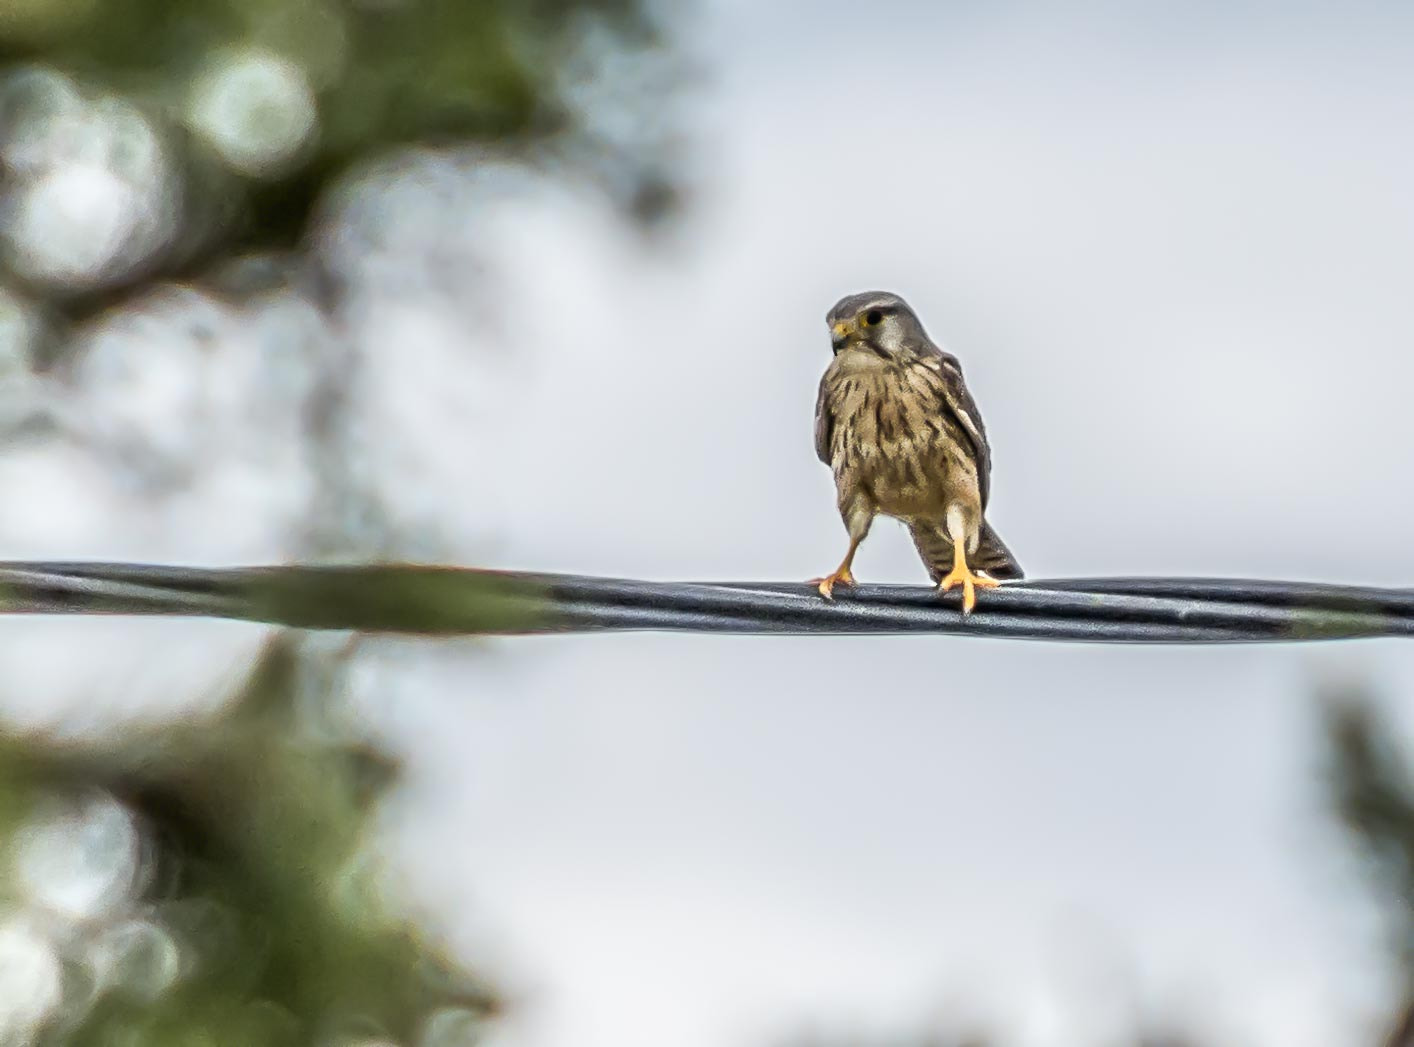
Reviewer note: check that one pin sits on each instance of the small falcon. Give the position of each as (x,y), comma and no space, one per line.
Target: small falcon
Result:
(896,424)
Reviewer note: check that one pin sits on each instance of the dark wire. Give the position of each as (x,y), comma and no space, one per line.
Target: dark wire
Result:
(377,598)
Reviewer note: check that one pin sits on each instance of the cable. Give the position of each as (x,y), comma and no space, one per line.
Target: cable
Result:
(407,598)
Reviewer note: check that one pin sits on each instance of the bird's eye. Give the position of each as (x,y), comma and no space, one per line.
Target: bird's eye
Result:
(873,317)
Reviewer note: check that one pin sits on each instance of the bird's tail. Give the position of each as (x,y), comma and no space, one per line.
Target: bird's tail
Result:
(992,557)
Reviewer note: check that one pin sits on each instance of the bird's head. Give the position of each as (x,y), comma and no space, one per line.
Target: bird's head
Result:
(875,322)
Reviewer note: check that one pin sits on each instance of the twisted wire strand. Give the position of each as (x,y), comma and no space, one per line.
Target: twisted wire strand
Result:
(431,600)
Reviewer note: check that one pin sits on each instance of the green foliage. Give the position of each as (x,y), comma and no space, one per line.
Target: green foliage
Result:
(255,834)
(217,130)
(1374,796)
(380,74)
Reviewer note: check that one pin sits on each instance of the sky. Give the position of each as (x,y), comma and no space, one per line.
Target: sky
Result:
(1171,248)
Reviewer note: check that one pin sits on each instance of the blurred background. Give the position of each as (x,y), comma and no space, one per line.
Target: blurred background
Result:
(542,286)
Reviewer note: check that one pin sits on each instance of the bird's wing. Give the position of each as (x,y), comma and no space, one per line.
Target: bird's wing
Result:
(958,404)
(824,424)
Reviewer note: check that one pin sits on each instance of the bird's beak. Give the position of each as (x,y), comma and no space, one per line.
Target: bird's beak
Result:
(842,332)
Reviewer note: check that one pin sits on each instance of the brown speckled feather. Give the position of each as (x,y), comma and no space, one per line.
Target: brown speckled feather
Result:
(955,400)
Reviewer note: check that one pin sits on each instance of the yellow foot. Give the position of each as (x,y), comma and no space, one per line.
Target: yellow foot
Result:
(827,584)
(960,575)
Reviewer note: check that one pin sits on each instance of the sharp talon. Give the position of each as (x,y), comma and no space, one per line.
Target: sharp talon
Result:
(827,584)
(970,583)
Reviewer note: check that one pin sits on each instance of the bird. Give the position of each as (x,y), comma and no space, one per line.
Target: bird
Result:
(897,427)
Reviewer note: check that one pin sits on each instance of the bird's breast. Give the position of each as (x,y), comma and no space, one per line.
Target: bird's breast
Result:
(891,443)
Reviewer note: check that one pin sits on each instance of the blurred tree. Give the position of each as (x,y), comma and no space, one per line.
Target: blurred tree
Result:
(142,140)
(241,906)
(145,143)
(1374,796)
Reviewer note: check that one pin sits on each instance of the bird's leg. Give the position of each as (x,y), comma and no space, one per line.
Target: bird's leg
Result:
(841,575)
(961,574)
(858,515)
